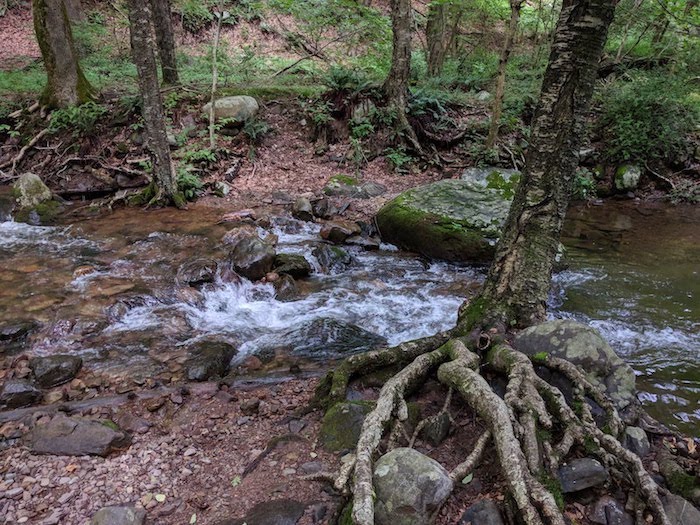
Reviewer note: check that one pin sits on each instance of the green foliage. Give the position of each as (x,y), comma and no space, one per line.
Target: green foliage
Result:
(255,129)
(553,485)
(197,156)
(319,111)
(188,183)
(399,158)
(584,184)
(195,15)
(8,130)
(81,120)
(341,79)
(647,116)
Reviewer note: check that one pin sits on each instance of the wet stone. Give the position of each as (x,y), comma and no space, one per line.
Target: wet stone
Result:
(483,512)
(302,209)
(197,272)
(208,359)
(580,474)
(252,258)
(338,232)
(332,259)
(292,264)
(17,393)
(55,370)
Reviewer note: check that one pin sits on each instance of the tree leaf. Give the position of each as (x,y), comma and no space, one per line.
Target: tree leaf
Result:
(468,479)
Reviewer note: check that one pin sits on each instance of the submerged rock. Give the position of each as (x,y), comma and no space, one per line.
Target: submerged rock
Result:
(342,423)
(320,338)
(236,109)
(286,288)
(410,487)
(73,436)
(119,515)
(454,220)
(252,258)
(17,393)
(209,359)
(197,272)
(583,346)
(55,370)
(332,259)
(580,474)
(13,335)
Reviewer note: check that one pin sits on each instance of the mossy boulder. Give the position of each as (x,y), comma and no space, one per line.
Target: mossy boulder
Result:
(627,177)
(454,220)
(292,264)
(342,424)
(583,346)
(35,204)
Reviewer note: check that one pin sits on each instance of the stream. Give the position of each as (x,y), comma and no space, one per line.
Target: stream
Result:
(104,288)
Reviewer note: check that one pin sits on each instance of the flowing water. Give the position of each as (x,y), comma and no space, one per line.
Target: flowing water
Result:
(105,289)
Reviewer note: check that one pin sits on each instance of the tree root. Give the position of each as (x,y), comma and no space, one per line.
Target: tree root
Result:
(513,423)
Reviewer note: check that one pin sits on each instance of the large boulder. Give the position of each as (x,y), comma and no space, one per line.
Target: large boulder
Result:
(73,436)
(55,370)
(583,346)
(454,220)
(341,426)
(18,393)
(492,177)
(236,109)
(409,487)
(208,359)
(119,515)
(252,258)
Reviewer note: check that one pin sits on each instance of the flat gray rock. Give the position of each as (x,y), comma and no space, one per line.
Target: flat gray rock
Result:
(279,512)
(55,370)
(580,474)
(119,515)
(483,512)
(73,436)
(17,393)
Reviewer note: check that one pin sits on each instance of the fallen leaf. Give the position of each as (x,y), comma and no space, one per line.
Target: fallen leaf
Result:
(160,498)
(468,479)
(193,519)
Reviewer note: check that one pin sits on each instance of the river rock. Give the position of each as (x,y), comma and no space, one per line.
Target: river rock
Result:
(483,512)
(73,436)
(436,429)
(636,440)
(286,288)
(55,370)
(237,109)
(454,220)
(609,511)
(252,258)
(409,487)
(17,393)
(30,191)
(302,210)
(366,243)
(324,208)
(342,423)
(197,272)
(233,237)
(119,515)
(321,338)
(338,232)
(332,259)
(627,177)
(278,512)
(680,511)
(292,264)
(209,359)
(583,346)
(582,473)
(13,335)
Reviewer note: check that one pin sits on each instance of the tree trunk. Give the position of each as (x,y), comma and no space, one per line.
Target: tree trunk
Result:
(396,83)
(437,37)
(66,85)
(142,49)
(515,291)
(74,10)
(166,40)
(515,6)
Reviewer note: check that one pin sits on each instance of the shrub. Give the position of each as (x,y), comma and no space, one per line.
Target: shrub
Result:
(188,183)
(82,119)
(646,116)
(195,15)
